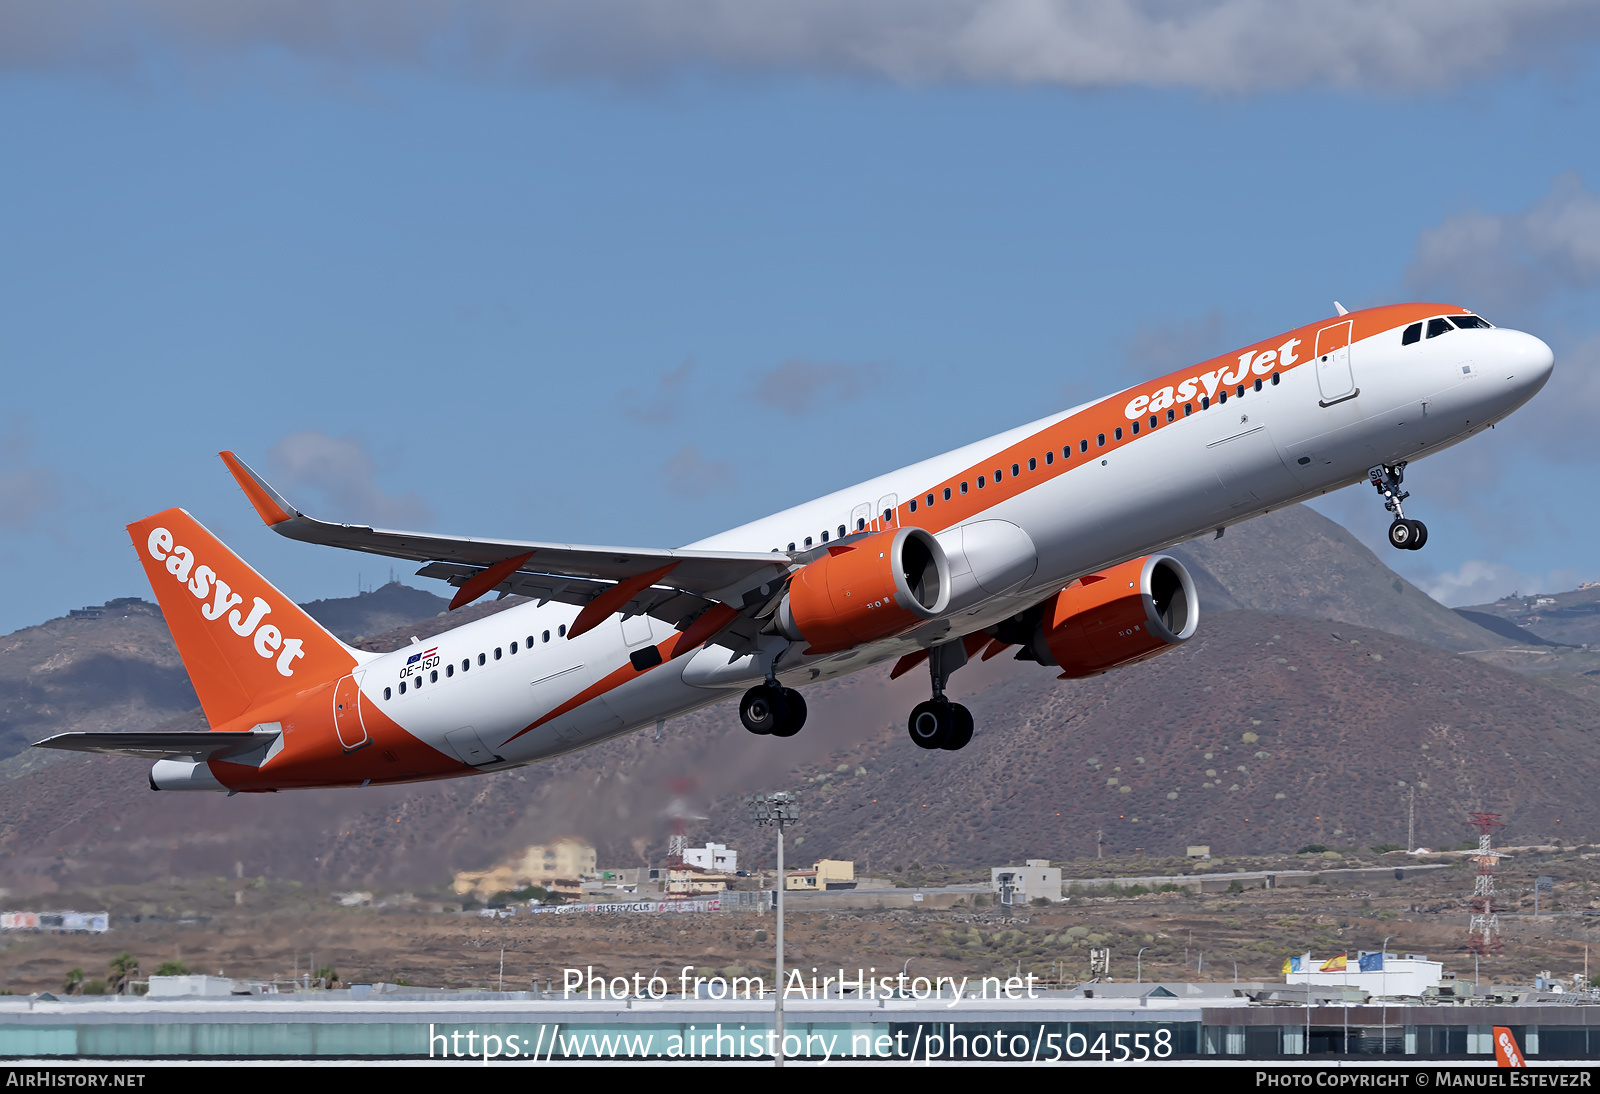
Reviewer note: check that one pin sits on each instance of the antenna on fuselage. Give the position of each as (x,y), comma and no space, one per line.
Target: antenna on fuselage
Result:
(1341,308)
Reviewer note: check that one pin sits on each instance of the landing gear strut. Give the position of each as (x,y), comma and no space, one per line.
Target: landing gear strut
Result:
(772,709)
(1407,535)
(939,723)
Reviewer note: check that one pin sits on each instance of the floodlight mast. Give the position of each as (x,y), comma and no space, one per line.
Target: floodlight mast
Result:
(780,810)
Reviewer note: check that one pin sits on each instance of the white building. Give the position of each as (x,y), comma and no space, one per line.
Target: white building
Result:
(1021,884)
(1412,974)
(713,856)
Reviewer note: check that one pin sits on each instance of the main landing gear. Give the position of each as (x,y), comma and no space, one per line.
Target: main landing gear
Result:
(939,723)
(769,709)
(1407,535)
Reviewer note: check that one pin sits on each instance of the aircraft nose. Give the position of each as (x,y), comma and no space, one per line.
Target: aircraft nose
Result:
(1529,362)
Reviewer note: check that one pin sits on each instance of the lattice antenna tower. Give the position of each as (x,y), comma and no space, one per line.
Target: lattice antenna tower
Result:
(1483,933)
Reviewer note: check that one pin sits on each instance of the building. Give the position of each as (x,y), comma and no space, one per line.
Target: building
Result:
(828,873)
(691,881)
(713,856)
(1392,975)
(560,866)
(1021,884)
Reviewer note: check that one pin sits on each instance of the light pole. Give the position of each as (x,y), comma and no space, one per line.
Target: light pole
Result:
(781,810)
(1138,965)
(1383,986)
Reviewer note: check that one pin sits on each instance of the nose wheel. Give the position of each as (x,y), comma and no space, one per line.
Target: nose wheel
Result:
(1405,534)
(770,710)
(1408,535)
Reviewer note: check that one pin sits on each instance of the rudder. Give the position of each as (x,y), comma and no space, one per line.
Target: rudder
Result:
(242,641)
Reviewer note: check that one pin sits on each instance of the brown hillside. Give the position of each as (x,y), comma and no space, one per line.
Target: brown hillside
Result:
(1343,716)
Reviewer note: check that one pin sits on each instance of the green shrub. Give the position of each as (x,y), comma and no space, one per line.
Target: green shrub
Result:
(172,968)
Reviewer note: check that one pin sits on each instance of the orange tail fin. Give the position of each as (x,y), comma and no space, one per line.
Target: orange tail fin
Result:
(243,642)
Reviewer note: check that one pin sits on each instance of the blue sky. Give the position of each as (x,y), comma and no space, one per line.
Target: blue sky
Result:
(616,282)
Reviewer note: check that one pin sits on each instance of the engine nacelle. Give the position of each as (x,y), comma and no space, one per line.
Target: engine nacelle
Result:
(1118,617)
(877,587)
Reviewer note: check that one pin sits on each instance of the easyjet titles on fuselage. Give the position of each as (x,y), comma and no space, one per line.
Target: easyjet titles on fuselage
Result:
(1251,362)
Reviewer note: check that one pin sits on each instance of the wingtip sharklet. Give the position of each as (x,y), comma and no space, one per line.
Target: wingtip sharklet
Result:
(272,506)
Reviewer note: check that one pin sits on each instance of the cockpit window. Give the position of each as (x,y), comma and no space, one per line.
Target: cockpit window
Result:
(1413,334)
(1472,322)
(1439,326)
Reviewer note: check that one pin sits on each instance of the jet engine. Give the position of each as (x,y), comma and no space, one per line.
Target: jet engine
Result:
(873,588)
(1117,617)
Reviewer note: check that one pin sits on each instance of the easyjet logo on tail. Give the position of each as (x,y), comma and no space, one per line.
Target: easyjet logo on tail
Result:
(225,605)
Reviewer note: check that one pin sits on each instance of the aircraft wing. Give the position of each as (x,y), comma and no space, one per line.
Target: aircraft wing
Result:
(672,585)
(195,745)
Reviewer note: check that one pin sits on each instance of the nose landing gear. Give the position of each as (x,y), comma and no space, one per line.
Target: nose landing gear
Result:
(1406,534)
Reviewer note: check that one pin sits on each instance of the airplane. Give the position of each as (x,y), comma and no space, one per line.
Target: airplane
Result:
(1046,540)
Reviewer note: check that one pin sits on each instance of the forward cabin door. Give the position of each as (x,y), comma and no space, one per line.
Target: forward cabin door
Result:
(1335,381)
(347,713)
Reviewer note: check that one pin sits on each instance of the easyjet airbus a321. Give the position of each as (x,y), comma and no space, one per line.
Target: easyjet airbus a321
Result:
(1044,538)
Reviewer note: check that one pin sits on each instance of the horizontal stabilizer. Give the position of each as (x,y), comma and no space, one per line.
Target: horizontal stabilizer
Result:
(204,745)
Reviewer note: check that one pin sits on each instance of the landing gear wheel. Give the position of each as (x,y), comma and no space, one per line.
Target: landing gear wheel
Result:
(962,731)
(795,714)
(1422,536)
(931,724)
(764,709)
(1403,534)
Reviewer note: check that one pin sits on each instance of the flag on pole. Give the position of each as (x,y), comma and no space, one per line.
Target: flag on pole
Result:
(1335,964)
(1372,962)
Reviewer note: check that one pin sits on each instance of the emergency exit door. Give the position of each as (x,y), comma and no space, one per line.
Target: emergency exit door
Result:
(347,714)
(1335,380)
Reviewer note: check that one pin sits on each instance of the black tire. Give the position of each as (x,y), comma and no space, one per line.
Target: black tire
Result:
(931,723)
(795,714)
(1402,535)
(763,709)
(962,732)
(1422,536)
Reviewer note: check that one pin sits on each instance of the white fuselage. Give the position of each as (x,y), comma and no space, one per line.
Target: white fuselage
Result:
(1212,468)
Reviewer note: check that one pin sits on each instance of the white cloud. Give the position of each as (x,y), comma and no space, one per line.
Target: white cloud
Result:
(691,475)
(345,474)
(1513,261)
(661,406)
(1229,46)
(799,387)
(1477,581)
(27,490)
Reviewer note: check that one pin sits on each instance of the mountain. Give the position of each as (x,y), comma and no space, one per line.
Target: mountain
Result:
(1568,619)
(1306,732)
(1296,561)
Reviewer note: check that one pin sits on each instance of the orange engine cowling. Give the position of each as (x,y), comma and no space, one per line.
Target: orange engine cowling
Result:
(874,588)
(1118,617)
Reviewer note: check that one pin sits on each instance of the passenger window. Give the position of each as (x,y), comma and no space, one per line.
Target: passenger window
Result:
(529,643)
(513,647)
(466,664)
(930,499)
(1153,419)
(545,637)
(947,493)
(808,541)
(497,653)
(387,694)
(913,505)
(1100,440)
(861,524)
(824,539)
(402,687)
(1413,334)
(980,482)
(998,474)
(450,669)
(1222,396)
(1119,433)
(1241,391)
(841,527)
(1050,457)
(1135,429)
(433,677)
(1033,464)
(963,487)
(1188,409)
(1205,402)
(482,659)
(1083,446)
(791,546)
(1258,383)
(888,516)
(1274,379)
(1015,471)
(1439,326)
(561,631)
